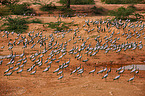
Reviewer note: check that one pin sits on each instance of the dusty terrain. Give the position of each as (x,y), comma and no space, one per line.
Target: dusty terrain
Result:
(47,84)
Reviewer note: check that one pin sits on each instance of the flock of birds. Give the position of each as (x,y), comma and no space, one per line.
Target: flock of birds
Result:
(54,50)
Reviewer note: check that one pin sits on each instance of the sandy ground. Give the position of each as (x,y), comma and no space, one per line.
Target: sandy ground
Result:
(46,84)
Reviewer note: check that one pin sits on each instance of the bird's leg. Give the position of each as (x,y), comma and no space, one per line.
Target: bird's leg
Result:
(105,79)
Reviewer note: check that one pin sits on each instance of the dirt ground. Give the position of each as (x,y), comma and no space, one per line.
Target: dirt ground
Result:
(47,84)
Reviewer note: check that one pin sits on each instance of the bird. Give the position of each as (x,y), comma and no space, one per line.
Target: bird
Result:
(109,70)
(131,78)
(47,69)
(101,71)
(120,72)
(59,73)
(119,68)
(73,71)
(29,69)
(136,72)
(57,69)
(85,60)
(68,61)
(1,61)
(131,67)
(133,70)
(79,67)
(105,68)
(8,74)
(46,61)
(60,77)
(7,70)
(105,76)
(117,77)
(16,69)
(93,71)
(33,72)
(80,72)
(20,70)
(49,63)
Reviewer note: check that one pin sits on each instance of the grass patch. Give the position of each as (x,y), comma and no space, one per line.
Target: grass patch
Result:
(93,36)
(122,1)
(122,13)
(4,10)
(8,2)
(36,21)
(16,24)
(15,8)
(20,9)
(96,10)
(67,11)
(78,2)
(60,25)
(36,3)
(48,7)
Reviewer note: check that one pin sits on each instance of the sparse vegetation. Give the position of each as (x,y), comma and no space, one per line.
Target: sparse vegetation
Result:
(16,9)
(97,10)
(78,2)
(16,24)
(20,9)
(122,1)
(4,10)
(9,2)
(48,7)
(66,11)
(36,21)
(60,25)
(122,13)
(138,16)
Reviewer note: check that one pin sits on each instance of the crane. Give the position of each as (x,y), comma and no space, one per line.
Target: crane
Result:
(117,77)
(131,78)
(93,71)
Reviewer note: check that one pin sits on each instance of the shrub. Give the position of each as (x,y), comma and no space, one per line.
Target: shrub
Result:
(78,2)
(8,2)
(138,16)
(68,12)
(16,24)
(122,13)
(60,25)
(20,9)
(122,1)
(36,21)
(4,10)
(97,10)
(102,0)
(48,7)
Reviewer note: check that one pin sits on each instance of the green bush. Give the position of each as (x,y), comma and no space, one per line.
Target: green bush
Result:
(48,7)
(138,16)
(66,11)
(97,10)
(4,10)
(122,13)
(102,0)
(16,24)
(8,2)
(36,21)
(20,9)
(60,25)
(122,1)
(78,2)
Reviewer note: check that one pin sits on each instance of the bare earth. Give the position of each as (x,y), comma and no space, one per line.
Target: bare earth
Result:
(47,84)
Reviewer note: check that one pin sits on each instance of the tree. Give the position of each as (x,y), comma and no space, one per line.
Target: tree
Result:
(68,4)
